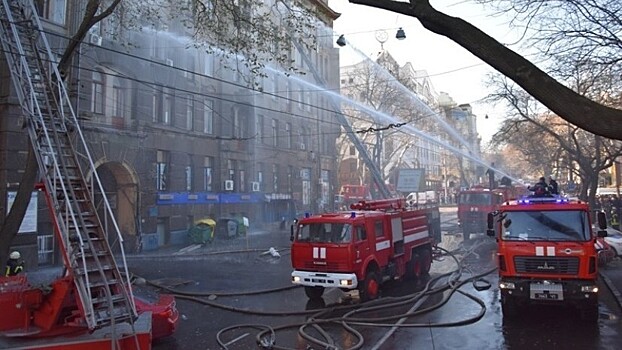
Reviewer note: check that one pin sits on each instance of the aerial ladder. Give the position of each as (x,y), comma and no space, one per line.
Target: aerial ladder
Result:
(104,296)
(375,171)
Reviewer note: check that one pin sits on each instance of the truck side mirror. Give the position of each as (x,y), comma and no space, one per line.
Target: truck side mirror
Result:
(291,232)
(490,232)
(490,221)
(602,220)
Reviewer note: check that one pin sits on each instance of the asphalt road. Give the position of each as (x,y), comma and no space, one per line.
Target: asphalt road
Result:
(233,279)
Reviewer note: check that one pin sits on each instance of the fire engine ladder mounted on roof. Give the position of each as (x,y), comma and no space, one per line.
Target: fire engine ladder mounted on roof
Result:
(104,297)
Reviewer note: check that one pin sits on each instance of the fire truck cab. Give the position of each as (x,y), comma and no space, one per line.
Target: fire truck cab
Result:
(474,205)
(546,254)
(359,249)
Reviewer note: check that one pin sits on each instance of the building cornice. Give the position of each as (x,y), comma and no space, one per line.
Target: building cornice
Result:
(323,7)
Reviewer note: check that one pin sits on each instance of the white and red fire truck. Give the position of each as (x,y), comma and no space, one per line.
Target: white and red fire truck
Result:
(376,241)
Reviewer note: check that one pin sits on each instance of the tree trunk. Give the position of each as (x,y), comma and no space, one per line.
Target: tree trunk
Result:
(18,209)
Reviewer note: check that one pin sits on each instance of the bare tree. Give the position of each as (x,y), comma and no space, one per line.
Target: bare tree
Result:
(577,109)
(587,154)
(381,87)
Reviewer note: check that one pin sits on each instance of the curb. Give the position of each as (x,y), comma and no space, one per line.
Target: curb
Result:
(616,293)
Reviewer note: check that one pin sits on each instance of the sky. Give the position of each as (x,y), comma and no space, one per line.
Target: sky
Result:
(451,68)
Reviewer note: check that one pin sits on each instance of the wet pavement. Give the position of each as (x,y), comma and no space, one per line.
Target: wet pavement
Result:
(232,263)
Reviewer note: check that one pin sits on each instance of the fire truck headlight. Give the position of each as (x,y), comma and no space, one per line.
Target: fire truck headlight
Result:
(506,285)
(589,289)
(295,279)
(345,283)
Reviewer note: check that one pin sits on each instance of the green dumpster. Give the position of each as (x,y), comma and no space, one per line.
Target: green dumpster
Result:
(202,232)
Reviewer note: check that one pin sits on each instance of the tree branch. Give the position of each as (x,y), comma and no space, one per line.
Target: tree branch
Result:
(576,109)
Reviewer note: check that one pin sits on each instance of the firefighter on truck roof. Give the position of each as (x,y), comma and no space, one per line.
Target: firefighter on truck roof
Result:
(14,265)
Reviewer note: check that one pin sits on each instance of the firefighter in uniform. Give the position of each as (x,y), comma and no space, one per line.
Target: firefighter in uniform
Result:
(14,265)
(615,223)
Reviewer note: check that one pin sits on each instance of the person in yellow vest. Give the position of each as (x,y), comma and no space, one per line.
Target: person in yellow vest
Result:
(14,265)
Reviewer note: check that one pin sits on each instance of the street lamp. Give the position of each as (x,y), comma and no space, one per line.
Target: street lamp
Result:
(400,35)
(341,41)
(381,36)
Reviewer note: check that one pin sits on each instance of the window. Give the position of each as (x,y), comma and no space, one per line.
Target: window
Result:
(260,176)
(207,173)
(208,116)
(97,94)
(53,10)
(352,151)
(236,127)
(275,140)
(156,105)
(188,173)
(290,178)
(275,83)
(325,233)
(167,108)
(208,68)
(551,225)
(118,99)
(161,170)
(189,71)
(190,112)
(378,228)
(275,177)
(288,132)
(242,180)
(259,128)
(361,234)
(231,170)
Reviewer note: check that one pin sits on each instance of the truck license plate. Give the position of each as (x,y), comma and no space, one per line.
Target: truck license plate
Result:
(549,291)
(546,296)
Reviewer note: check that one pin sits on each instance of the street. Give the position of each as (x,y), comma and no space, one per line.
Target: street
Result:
(238,295)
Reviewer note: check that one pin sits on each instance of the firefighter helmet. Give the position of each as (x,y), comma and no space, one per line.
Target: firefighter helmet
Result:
(15,255)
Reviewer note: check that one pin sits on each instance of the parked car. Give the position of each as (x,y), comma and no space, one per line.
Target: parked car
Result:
(614,239)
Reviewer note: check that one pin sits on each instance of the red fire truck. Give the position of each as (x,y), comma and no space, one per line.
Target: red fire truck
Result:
(350,194)
(377,241)
(475,203)
(546,254)
(473,206)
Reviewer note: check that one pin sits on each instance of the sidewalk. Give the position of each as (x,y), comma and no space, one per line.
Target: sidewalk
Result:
(612,276)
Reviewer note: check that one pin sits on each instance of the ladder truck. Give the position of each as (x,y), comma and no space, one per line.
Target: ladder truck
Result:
(93,295)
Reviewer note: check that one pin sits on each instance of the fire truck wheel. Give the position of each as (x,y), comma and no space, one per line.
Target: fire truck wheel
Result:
(368,289)
(415,266)
(426,261)
(314,292)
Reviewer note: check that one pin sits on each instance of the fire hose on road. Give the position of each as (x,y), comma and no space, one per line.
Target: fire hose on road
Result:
(447,283)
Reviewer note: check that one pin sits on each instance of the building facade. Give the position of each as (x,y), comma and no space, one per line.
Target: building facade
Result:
(178,135)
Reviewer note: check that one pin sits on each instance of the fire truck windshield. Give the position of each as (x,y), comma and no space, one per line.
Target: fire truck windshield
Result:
(325,233)
(475,198)
(545,225)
